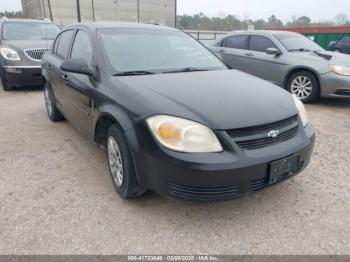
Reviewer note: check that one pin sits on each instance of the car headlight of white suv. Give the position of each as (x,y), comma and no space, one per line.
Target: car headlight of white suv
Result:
(9,54)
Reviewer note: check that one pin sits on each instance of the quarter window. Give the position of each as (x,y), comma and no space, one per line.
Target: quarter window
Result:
(64,43)
(261,43)
(238,42)
(82,47)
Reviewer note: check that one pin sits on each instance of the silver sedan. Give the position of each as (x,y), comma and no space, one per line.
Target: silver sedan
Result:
(289,60)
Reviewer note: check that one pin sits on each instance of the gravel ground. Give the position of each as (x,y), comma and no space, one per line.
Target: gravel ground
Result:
(57,197)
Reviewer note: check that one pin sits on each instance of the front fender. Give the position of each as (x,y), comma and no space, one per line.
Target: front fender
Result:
(116,113)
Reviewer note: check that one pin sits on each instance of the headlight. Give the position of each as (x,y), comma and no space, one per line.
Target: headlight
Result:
(9,54)
(301,109)
(183,135)
(340,70)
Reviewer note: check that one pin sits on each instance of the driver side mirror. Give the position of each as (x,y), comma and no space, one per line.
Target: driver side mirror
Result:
(273,51)
(78,66)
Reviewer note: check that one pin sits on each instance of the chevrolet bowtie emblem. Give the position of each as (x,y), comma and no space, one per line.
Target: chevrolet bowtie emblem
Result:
(273,133)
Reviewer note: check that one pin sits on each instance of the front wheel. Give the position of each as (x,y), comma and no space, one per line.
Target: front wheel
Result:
(304,85)
(121,165)
(52,111)
(4,82)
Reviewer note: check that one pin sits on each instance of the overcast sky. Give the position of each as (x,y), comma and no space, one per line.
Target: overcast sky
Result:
(317,10)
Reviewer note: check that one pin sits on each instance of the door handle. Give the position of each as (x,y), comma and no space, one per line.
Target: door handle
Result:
(249,54)
(222,50)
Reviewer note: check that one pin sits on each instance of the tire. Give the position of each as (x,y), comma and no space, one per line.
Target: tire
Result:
(52,111)
(121,165)
(305,85)
(4,82)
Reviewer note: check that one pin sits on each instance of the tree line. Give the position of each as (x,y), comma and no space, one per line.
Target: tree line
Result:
(12,14)
(230,22)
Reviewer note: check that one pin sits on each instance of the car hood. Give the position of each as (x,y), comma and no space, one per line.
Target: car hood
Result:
(334,58)
(27,44)
(221,99)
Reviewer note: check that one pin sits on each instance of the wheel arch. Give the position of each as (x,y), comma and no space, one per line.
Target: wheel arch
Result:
(108,116)
(300,69)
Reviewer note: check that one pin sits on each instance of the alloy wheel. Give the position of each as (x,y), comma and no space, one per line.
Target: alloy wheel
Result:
(115,161)
(302,87)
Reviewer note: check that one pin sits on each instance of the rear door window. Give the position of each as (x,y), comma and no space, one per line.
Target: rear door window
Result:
(237,42)
(64,43)
(260,43)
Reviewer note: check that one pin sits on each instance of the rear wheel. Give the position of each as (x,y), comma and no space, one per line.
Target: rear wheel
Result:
(53,113)
(121,165)
(304,85)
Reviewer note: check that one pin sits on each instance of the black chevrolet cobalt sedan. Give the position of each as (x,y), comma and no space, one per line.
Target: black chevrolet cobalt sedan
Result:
(173,118)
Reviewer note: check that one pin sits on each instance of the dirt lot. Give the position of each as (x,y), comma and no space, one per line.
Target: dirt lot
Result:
(57,197)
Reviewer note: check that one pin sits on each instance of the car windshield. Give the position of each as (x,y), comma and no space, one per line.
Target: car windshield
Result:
(150,51)
(296,42)
(28,30)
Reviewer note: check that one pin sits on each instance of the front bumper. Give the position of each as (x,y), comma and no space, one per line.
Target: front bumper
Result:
(333,85)
(212,176)
(20,76)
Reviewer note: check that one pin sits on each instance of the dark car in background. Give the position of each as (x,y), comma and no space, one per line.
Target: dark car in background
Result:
(22,45)
(289,60)
(173,117)
(341,46)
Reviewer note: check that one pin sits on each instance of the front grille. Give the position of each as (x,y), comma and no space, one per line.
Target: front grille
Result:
(35,54)
(193,193)
(262,183)
(256,137)
(254,130)
(268,141)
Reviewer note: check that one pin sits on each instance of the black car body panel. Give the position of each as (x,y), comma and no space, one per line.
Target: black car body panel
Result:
(199,95)
(224,100)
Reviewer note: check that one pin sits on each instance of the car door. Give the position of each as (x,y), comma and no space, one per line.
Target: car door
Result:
(271,67)
(53,63)
(78,88)
(233,51)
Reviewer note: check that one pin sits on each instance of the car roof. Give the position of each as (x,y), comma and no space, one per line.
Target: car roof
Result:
(104,25)
(263,32)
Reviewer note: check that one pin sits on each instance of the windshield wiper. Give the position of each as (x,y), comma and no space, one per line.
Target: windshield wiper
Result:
(299,50)
(323,54)
(187,69)
(134,73)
